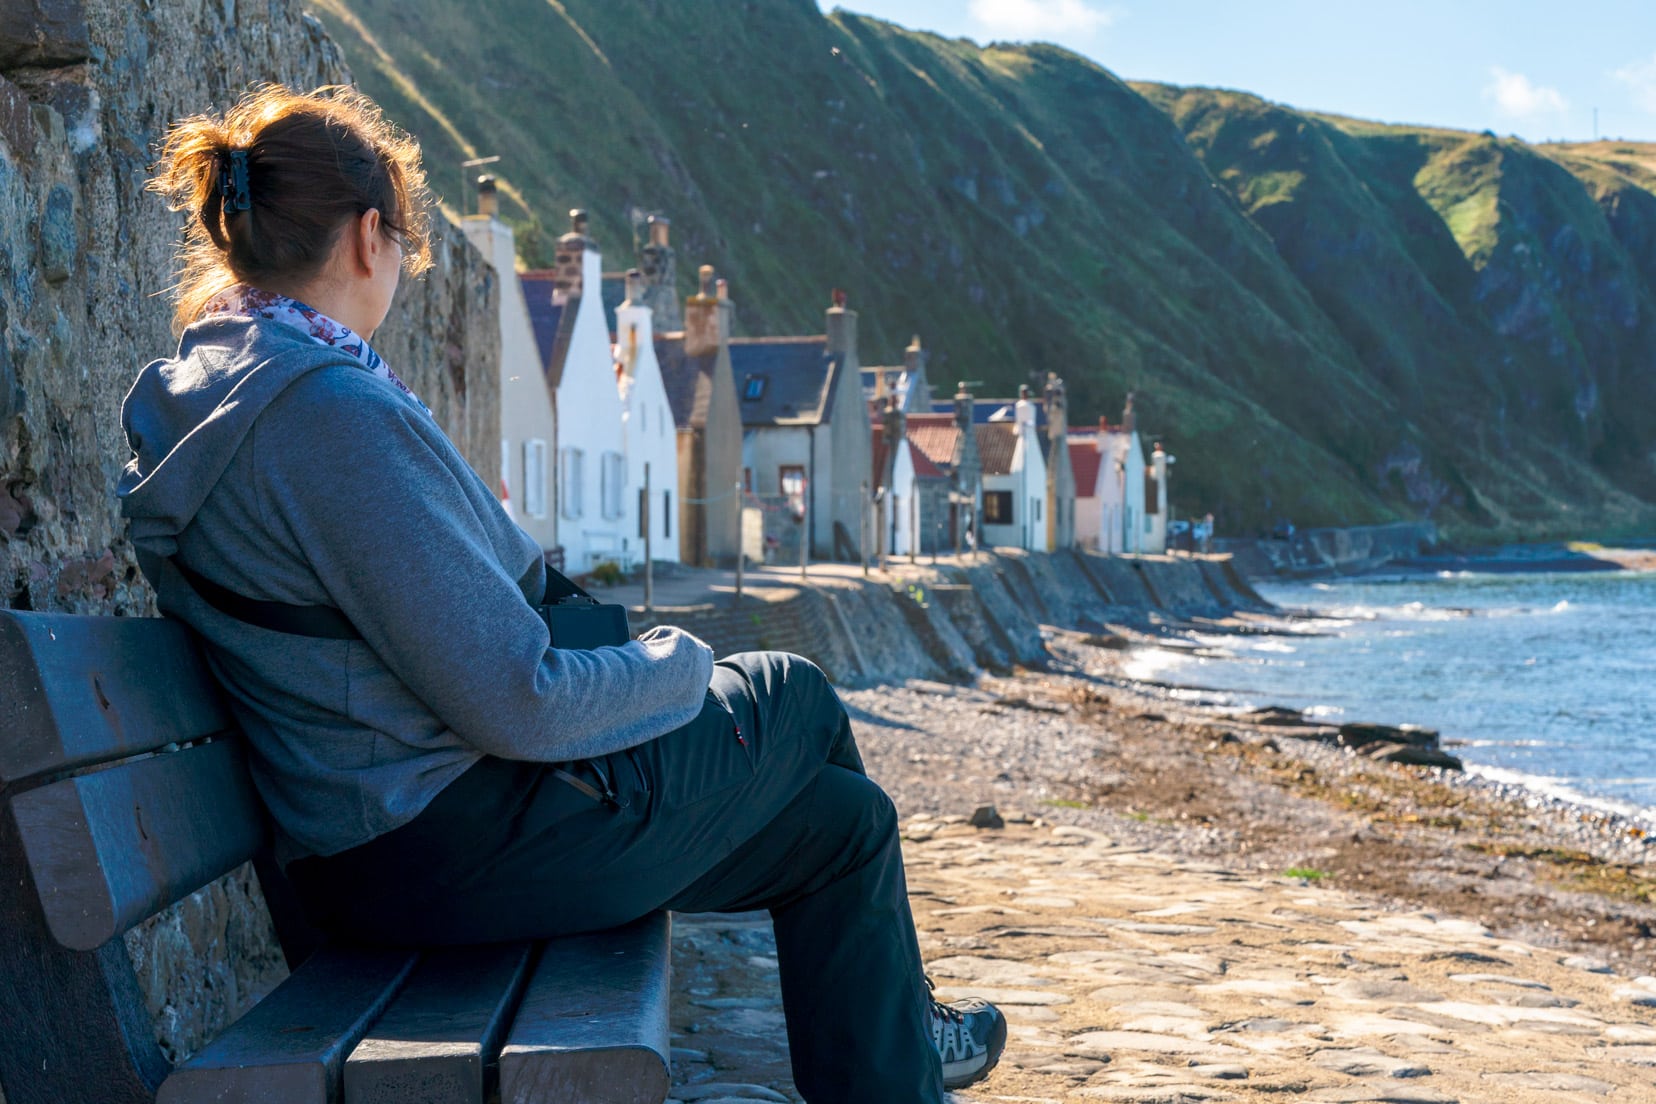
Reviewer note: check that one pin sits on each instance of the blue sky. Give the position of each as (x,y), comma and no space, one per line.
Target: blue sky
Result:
(1522,67)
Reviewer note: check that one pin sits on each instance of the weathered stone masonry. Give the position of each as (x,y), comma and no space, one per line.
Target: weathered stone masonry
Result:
(87,89)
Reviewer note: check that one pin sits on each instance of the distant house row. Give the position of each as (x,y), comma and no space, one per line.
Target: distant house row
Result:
(634,423)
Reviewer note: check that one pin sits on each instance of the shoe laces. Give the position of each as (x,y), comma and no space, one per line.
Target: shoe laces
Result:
(941,1009)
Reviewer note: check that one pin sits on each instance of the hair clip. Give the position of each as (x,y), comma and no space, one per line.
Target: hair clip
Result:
(233,182)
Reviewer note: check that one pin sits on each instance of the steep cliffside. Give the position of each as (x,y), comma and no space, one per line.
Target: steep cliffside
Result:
(86,91)
(1331,321)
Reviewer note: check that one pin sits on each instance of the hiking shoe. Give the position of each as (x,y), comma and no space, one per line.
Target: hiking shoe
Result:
(969,1036)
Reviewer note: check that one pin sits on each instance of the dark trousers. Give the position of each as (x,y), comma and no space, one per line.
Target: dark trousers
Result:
(761,802)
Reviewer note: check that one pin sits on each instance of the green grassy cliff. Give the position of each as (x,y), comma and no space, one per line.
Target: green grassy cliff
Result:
(1328,320)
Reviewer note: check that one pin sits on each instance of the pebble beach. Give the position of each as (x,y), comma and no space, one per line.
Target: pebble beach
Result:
(1174,904)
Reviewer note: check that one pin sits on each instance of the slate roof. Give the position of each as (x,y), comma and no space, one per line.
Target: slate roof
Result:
(936,437)
(984,410)
(997,442)
(688,380)
(550,321)
(1085,461)
(800,378)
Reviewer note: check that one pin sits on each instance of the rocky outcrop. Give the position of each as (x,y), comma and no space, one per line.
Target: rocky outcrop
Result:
(87,88)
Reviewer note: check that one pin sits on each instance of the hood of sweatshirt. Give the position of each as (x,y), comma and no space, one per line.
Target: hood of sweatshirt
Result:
(186,416)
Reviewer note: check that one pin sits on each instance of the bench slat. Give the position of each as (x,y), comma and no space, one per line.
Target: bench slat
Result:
(110,849)
(593,1022)
(85,690)
(291,1048)
(439,1036)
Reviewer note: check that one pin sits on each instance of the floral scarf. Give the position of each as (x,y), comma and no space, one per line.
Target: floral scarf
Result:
(244,301)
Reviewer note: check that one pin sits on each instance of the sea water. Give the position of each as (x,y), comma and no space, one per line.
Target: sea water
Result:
(1545,679)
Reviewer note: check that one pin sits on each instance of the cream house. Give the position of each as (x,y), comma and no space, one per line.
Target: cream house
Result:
(528,430)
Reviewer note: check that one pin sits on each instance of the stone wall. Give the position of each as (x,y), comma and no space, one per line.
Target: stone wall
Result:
(87,90)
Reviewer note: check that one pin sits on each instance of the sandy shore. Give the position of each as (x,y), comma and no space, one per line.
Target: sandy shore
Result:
(1183,907)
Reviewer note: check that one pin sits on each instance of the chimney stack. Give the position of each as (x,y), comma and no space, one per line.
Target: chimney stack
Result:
(568,259)
(1057,406)
(1024,410)
(914,357)
(842,327)
(656,261)
(702,316)
(488,201)
(963,408)
(635,288)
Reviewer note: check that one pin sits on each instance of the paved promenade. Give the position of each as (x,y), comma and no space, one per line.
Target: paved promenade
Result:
(1133,976)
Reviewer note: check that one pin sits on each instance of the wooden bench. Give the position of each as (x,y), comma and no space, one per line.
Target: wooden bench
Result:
(123,788)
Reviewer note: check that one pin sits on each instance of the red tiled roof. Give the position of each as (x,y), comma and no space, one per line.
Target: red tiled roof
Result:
(1085,461)
(934,436)
(997,443)
(923,466)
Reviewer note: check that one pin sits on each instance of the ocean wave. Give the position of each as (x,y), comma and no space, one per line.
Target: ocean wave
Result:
(1559,789)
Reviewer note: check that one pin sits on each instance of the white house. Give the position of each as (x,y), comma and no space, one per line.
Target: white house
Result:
(1014,479)
(1109,512)
(528,430)
(596,514)
(649,435)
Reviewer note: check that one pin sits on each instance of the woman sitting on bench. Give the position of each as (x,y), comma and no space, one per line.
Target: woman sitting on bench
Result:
(437,773)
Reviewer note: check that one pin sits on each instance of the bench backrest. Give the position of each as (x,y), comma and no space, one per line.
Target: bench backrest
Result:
(126,788)
(122,789)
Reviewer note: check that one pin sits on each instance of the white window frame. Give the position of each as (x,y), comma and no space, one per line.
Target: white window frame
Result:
(534,478)
(571,463)
(612,479)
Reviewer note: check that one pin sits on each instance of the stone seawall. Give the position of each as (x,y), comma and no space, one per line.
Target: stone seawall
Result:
(946,621)
(87,90)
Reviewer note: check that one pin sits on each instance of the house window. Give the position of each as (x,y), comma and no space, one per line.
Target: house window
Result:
(570,481)
(792,479)
(1035,508)
(1152,497)
(753,388)
(997,507)
(612,478)
(534,478)
(667,514)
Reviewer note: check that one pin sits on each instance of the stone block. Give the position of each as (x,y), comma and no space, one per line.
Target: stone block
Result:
(58,239)
(43,33)
(16,128)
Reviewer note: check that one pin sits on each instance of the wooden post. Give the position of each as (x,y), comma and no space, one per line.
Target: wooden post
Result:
(740,552)
(862,537)
(649,568)
(914,525)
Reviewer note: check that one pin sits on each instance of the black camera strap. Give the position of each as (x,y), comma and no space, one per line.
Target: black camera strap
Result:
(324,622)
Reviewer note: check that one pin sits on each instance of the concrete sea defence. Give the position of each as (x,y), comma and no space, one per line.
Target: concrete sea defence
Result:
(949,620)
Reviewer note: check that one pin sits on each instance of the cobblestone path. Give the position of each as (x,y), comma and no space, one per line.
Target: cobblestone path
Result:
(1129,975)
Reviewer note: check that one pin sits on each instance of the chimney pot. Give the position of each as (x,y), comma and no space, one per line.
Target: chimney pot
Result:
(723,288)
(488,201)
(660,230)
(839,298)
(704,278)
(578,222)
(635,287)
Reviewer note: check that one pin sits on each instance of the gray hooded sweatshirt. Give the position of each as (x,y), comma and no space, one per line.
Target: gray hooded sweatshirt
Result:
(283,470)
